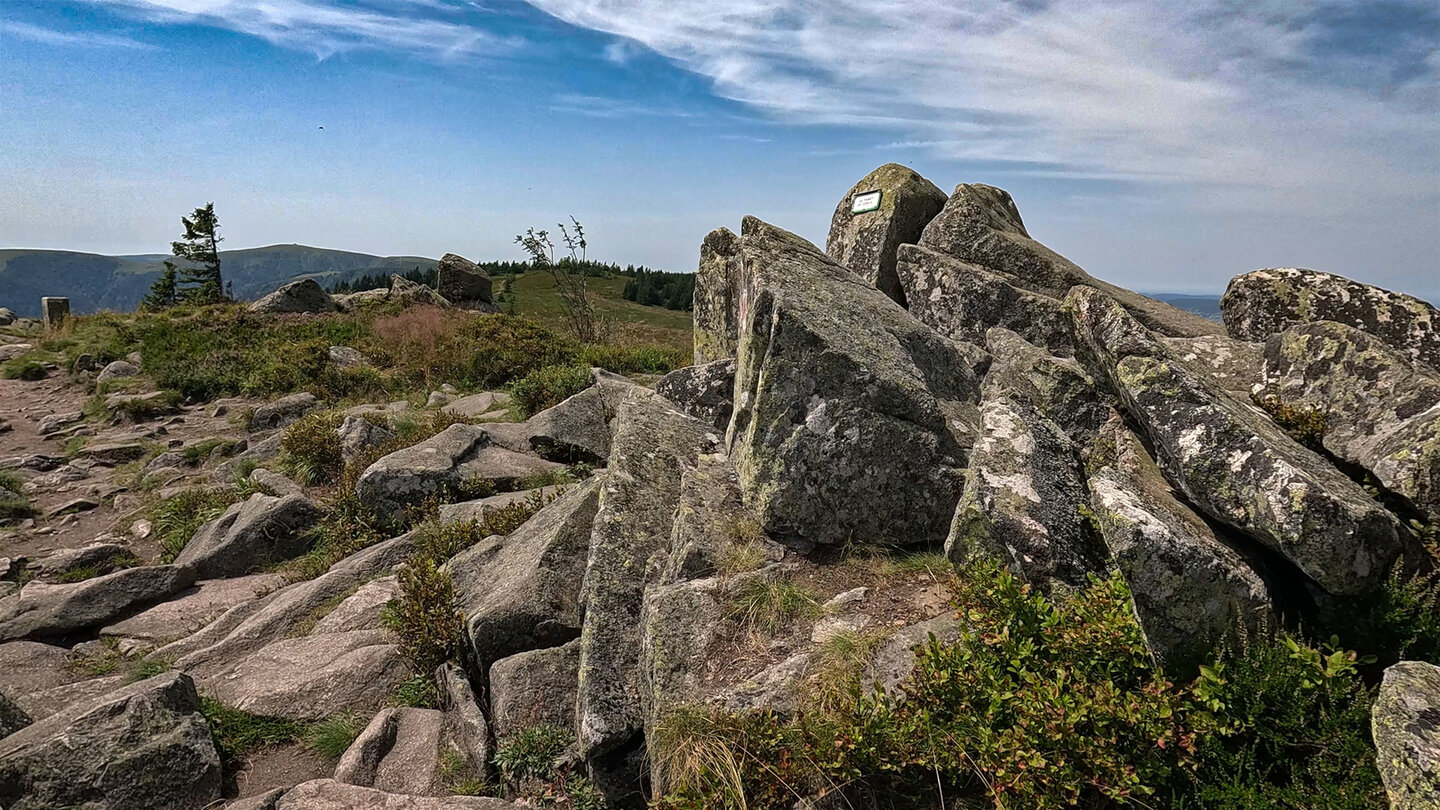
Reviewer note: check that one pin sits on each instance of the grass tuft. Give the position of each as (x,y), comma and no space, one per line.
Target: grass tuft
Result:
(766,606)
(331,737)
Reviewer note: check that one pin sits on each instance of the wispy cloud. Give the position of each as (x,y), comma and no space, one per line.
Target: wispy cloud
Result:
(326,27)
(48,36)
(606,107)
(1261,103)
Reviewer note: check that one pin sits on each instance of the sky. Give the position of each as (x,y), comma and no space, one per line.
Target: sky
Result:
(1162,146)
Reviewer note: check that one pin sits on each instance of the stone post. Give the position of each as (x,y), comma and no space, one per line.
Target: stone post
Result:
(56,311)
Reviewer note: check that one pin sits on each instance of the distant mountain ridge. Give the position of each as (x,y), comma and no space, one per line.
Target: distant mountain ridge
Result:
(97,282)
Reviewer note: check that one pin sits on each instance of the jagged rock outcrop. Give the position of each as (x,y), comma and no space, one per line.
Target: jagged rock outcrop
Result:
(1381,411)
(250,535)
(1057,387)
(1232,462)
(42,610)
(409,293)
(522,592)
(1234,366)
(143,747)
(867,242)
(305,295)
(464,283)
(580,428)
(981,225)
(653,445)
(851,419)
(705,391)
(443,465)
(963,300)
(1406,725)
(718,297)
(1259,304)
(1192,590)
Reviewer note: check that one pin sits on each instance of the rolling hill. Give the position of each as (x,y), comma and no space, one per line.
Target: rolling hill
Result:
(95,282)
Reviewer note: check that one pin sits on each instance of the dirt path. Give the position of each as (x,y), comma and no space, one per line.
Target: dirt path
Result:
(107,483)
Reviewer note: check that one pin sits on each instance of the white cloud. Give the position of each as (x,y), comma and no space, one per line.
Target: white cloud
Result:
(1209,93)
(47,36)
(325,27)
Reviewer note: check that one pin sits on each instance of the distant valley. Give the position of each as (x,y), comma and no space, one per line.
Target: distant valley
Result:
(94,282)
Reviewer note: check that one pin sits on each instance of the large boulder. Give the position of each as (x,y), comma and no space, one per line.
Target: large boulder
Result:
(534,688)
(705,391)
(522,592)
(409,293)
(1259,304)
(1406,725)
(851,419)
(653,446)
(1380,409)
(191,609)
(1233,463)
(313,677)
(143,747)
(41,610)
(867,242)
(718,297)
(398,752)
(963,300)
(981,225)
(580,428)
(442,466)
(305,295)
(464,283)
(250,535)
(1057,387)
(1192,590)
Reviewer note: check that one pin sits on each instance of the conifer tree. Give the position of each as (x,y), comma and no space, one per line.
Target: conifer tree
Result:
(165,292)
(200,248)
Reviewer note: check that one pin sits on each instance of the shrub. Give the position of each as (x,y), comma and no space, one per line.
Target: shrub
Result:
(1400,620)
(23,369)
(199,452)
(426,616)
(332,736)
(549,386)
(531,753)
(310,448)
(416,692)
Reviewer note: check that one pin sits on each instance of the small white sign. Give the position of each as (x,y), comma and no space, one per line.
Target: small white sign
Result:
(865,203)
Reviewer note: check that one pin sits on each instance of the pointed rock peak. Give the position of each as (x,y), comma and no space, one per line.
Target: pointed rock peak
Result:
(889,207)
(993,207)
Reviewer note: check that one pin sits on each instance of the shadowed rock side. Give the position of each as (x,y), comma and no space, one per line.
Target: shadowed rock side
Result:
(1259,304)
(717,297)
(852,419)
(982,226)
(866,242)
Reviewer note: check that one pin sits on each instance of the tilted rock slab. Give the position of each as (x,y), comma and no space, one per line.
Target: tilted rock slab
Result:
(1058,387)
(249,536)
(398,752)
(443,464)
(963,300)
(580,428)
(1259,304)
(41,610)
(1405,723)
(522,591)
(717,297)
(852,419)
(1381,410)
(654,443)
(867,242)
(1192,591)
(1234,366)
(305,295)
(1233,463)
(982,226)
(328,794)
(143,747)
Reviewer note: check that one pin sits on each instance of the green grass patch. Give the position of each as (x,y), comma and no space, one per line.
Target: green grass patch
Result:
(23,368)
(768,605)
(177,518)
(239,733)
(332,736)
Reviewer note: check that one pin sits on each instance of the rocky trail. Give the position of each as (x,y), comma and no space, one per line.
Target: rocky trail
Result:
(933,389)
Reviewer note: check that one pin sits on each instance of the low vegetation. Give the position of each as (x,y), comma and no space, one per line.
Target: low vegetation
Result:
(532,770)
(549,386)
(14,505)
(766,605)
(177,518)
(1042,705)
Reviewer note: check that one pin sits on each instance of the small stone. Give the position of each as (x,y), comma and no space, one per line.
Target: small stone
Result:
(120,369)
(346,357)
(851,597)
(141,529)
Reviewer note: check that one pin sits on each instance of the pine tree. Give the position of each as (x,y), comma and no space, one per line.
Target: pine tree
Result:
(200,248)
(164,292)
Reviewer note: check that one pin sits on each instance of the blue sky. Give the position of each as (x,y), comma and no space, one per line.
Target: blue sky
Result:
(1163,146)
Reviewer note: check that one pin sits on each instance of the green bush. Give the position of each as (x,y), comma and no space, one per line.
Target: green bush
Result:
(531,753)
(1043,705)
(425,615)
(549,386)
(23,369)
(310,448)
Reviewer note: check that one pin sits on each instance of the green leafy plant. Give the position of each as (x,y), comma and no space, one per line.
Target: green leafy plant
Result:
(426,616)
(310,448)
(549,386)
(416,692)
(1305,425)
